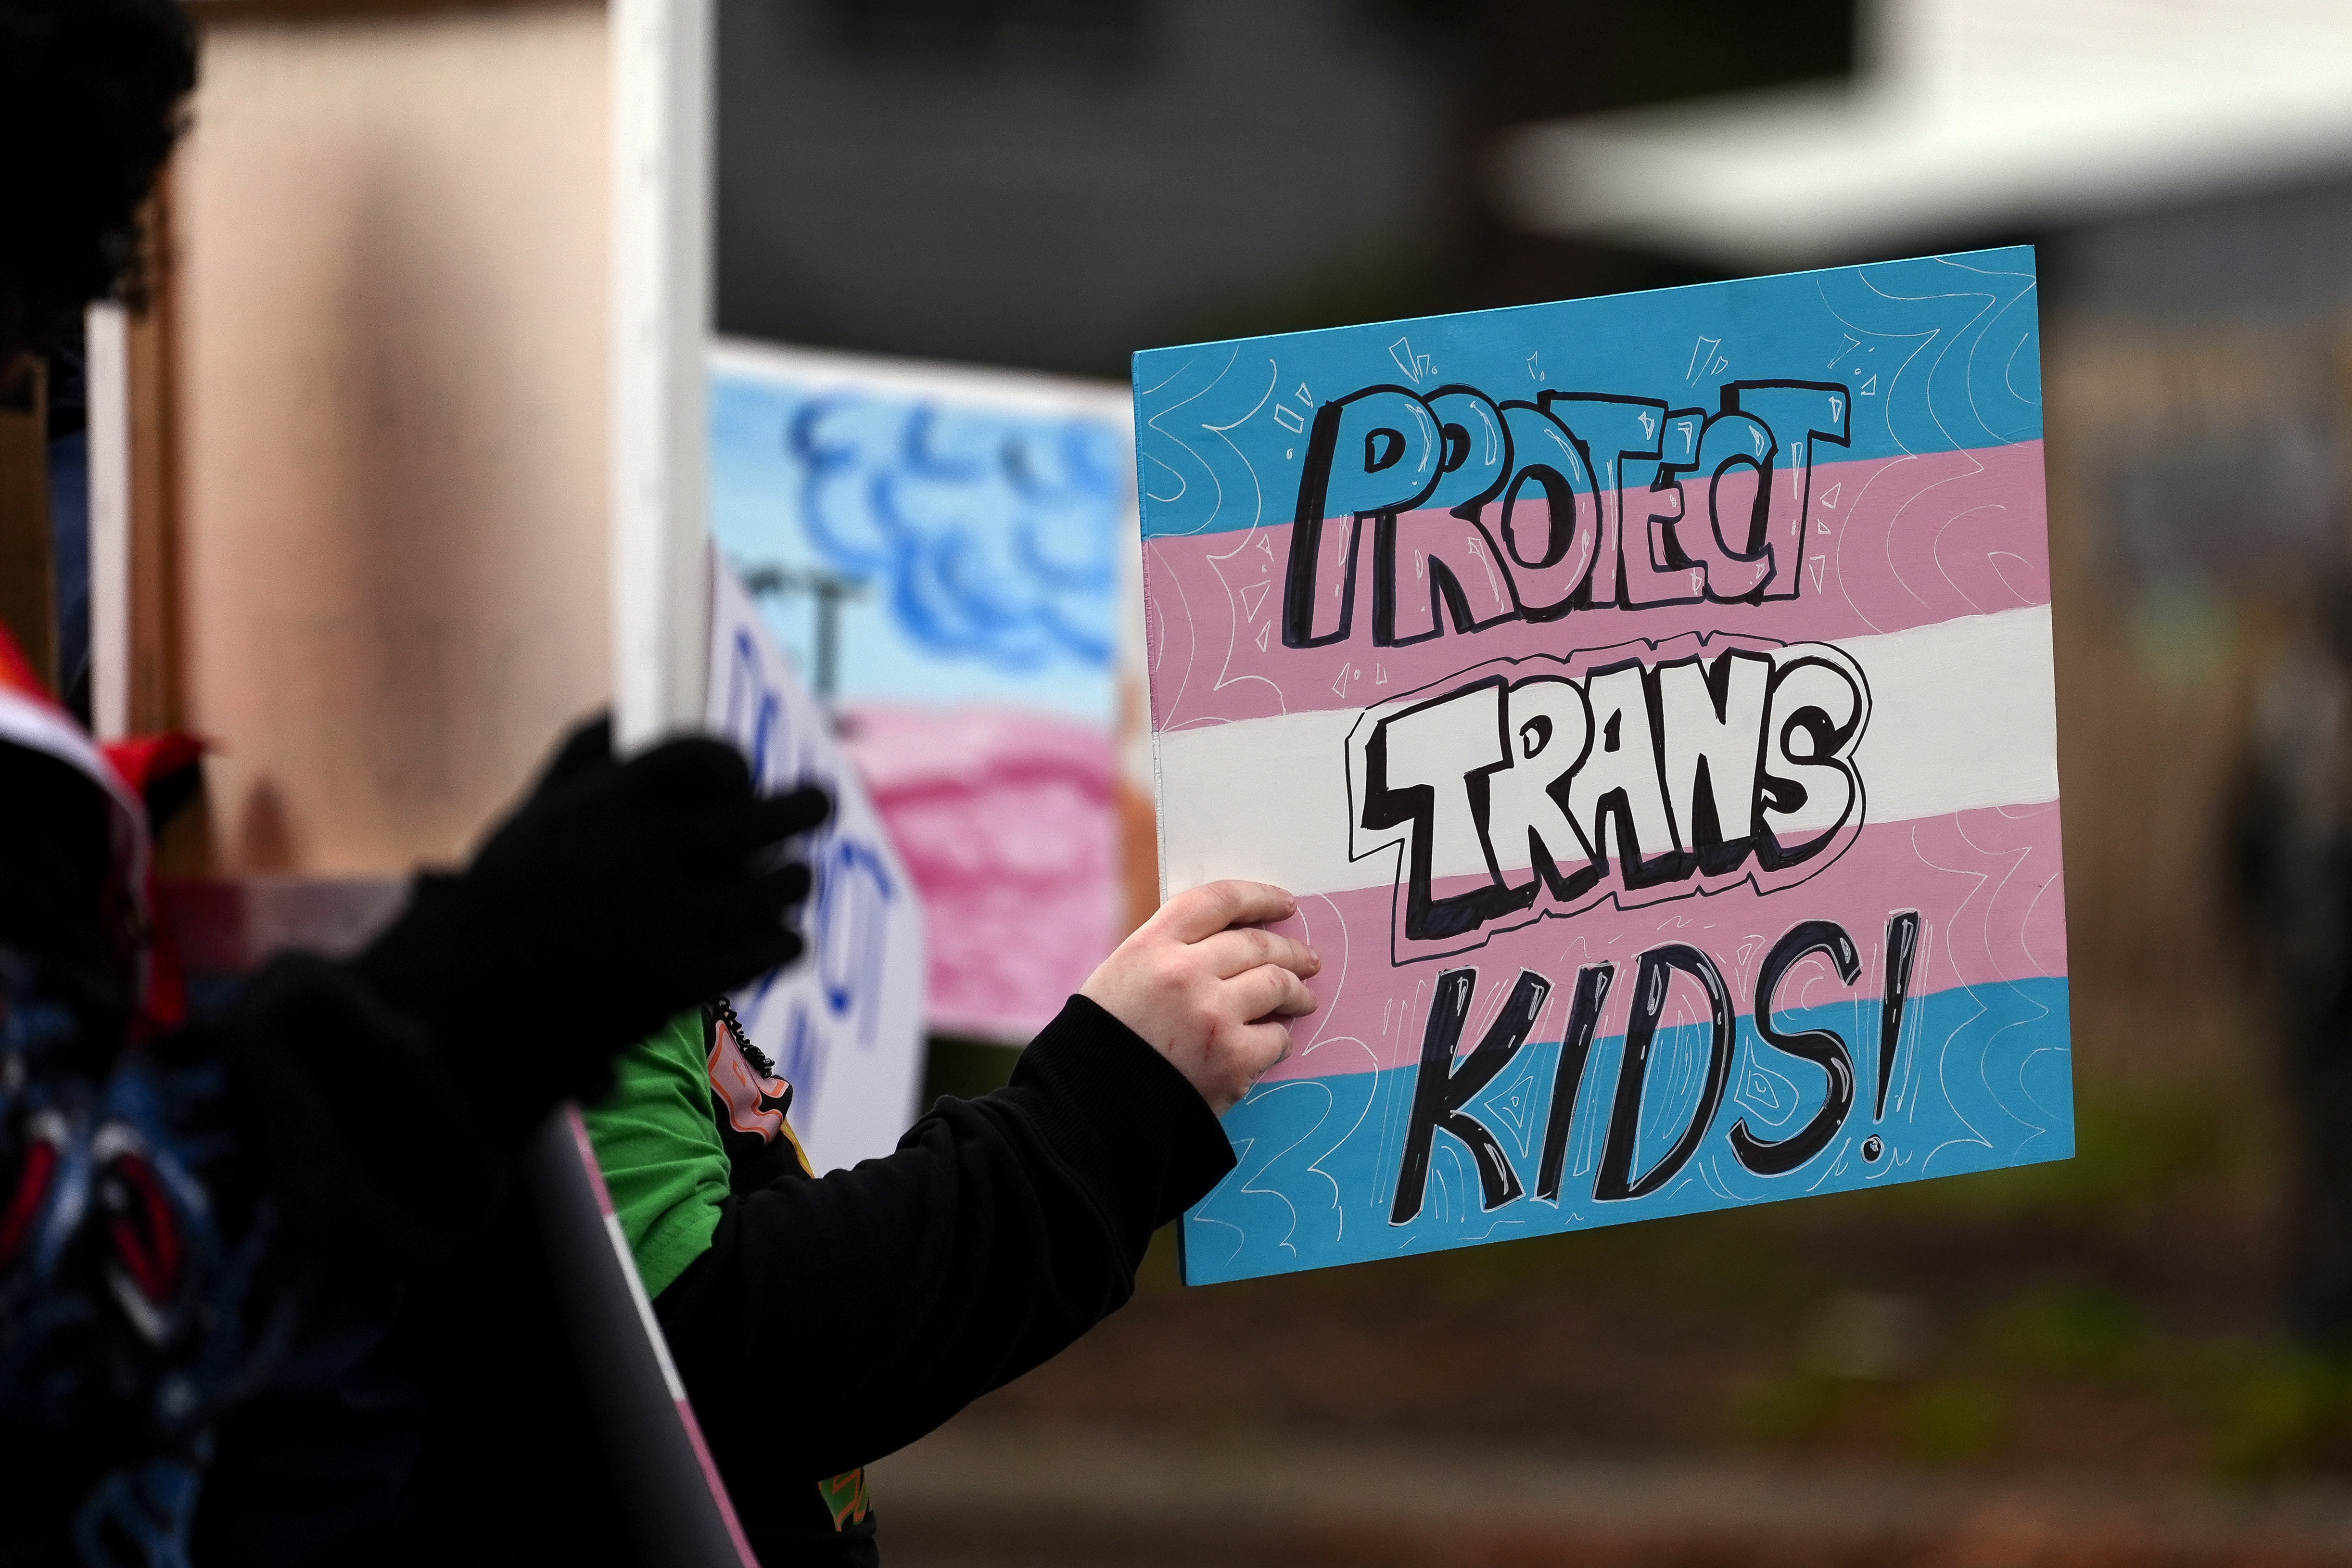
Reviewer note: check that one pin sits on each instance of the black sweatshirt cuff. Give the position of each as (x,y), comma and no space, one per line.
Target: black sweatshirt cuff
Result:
(1122,1114)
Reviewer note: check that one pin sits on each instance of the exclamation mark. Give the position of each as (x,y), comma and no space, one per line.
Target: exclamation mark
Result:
(1902,947)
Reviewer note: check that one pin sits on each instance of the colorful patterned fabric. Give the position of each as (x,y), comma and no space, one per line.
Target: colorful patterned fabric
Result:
(131,1301)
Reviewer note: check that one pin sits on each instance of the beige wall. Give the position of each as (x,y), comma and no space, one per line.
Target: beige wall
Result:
(392,288)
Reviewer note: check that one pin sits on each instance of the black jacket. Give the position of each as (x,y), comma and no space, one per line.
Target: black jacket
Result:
(832,1321)
(836,1319)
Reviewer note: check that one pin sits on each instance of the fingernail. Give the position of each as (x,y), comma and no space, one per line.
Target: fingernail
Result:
(1316,959)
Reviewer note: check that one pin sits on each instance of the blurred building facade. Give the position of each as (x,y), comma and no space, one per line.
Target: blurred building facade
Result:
(1054,183)
(1029,184)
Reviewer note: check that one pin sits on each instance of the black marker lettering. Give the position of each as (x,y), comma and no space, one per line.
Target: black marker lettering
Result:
(1824,1048)
(1575,1050)
(1441,1088)
(1482,511)
(1902,947)
(1615,1181)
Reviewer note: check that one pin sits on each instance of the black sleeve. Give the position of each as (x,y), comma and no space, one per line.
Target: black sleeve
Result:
(833,1320)
(367,1142)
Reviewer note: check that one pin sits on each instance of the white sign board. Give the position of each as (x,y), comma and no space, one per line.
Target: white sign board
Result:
(844,1024)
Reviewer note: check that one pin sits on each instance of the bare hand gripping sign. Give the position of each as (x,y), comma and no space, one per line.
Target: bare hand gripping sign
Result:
(1649,699)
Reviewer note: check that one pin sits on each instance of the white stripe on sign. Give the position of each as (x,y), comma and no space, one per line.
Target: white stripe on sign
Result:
(1962,716)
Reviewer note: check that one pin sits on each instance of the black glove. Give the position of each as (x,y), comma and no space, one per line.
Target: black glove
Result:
(615,897)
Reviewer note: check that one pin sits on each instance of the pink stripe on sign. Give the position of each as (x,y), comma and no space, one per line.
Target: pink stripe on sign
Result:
(1986,883)
(1892,542)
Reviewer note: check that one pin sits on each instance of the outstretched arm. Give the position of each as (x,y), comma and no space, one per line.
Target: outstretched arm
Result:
(835,1319)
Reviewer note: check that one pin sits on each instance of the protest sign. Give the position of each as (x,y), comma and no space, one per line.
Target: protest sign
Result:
(844,1024)
(1649,699)
(940,551)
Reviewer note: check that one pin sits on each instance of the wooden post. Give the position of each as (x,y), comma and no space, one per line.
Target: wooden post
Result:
(106,369)
(661,323)
(27,567)
(134,576)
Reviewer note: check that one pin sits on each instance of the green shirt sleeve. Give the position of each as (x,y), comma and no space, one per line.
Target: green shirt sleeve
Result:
(663,1161)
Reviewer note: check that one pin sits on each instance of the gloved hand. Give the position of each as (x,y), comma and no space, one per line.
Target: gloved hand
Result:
(615,897)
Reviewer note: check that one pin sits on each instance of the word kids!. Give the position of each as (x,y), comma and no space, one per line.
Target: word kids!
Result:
(1445,1092)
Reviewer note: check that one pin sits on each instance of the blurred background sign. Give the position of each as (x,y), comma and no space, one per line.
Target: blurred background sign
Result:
(844,1024)
(948,553)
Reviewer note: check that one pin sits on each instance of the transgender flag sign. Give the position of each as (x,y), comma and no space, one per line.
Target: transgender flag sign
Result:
(1649,700)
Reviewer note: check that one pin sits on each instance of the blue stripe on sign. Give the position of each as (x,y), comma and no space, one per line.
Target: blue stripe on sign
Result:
(1982,1079)
(1941,353)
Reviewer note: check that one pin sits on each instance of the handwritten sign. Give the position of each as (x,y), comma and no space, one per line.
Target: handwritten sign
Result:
(940,550)
(1650,701)
(844,1024)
